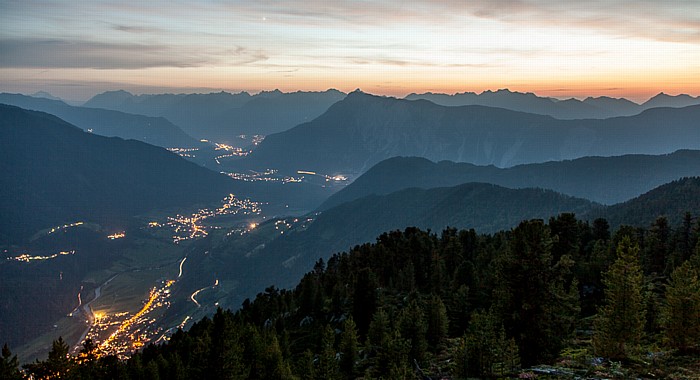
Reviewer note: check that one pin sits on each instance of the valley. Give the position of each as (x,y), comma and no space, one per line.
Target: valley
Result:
(129,264)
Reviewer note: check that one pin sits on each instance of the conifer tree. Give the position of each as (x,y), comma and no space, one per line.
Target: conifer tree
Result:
(620,322)
(681,314)
(349,348)
(485,350)
(530,296)
(9,365)
(437,321)
(413,328)
(327,368)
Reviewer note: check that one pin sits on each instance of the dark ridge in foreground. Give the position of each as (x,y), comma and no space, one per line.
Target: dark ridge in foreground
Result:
(606,180)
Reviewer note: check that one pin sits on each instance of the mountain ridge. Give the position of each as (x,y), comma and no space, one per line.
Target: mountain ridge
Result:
(606,180)
(362,130)
(152,130)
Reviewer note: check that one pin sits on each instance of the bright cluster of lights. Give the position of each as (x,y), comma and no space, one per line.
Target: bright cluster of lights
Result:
(193,227)
(58,228)
(117,235)
(184,152)
(269,175)
(129,333)
(27,257)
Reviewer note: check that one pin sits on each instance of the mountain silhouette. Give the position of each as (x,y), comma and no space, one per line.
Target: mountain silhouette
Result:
(153,130)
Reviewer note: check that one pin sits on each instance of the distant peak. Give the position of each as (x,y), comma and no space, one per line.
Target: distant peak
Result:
(118,92)
(45,95)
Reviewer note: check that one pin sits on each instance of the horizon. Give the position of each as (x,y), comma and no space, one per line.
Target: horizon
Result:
(403,96)
(550,48)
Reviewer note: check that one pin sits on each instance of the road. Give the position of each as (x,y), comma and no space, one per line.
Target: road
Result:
(87,310)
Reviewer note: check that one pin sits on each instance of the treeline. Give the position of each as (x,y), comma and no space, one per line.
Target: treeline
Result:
(454,305)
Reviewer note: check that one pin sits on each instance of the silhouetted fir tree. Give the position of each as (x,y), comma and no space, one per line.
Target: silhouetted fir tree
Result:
(451,248)
(565,228)
(9,365)
(620,322)
(458,309)
(657,247)
(437,322)
(601,229)
(379,331)
(406,279)
(226,352)
(364,299)
(681,314)
(58,364)
(327,367)
(527,294)
(485,350)
(349,348)
(413,328)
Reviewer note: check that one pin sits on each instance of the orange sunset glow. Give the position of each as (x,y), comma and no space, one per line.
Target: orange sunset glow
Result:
(553,48)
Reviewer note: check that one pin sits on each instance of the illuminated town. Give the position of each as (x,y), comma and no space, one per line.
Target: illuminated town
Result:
(193,227)
(269,175)
(27,257)
(184,152)
(121,333)
(231,151)
(117,235)
(58,228)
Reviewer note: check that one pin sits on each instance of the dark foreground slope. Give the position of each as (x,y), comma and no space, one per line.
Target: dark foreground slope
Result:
(153,130)
(362,130)
(606,180)
(55,173)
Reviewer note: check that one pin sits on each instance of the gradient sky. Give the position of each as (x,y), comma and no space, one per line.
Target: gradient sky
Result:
(558,48)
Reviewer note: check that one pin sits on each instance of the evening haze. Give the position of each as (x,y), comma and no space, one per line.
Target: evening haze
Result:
(632,49)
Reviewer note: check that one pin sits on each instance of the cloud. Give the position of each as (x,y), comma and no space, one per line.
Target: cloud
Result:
(57,53)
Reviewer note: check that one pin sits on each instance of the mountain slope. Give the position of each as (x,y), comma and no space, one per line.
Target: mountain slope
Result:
(54,173)
(153,130)
(362,130)
(672,200)
(605,180)
(485,207)
(223,116)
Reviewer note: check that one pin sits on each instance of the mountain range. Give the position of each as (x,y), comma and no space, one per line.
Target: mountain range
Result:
(485,207)
(223,116)
(605,180)
(362,130)
(55,173)
(590,108)
(153,130)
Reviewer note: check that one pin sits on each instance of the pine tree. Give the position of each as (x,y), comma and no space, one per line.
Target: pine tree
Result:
(349,348)
(620,323)
(327,368)
(226,361)
(57,366)
(681,314)
(413,328)
(9,365)
(530,294)
(437,321)
(485,350)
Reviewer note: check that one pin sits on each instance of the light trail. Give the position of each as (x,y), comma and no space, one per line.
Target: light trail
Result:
(181,262)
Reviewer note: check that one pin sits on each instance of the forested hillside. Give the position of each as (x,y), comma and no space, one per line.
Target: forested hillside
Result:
(452,305)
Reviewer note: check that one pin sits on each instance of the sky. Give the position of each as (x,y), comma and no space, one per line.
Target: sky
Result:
(559,48)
